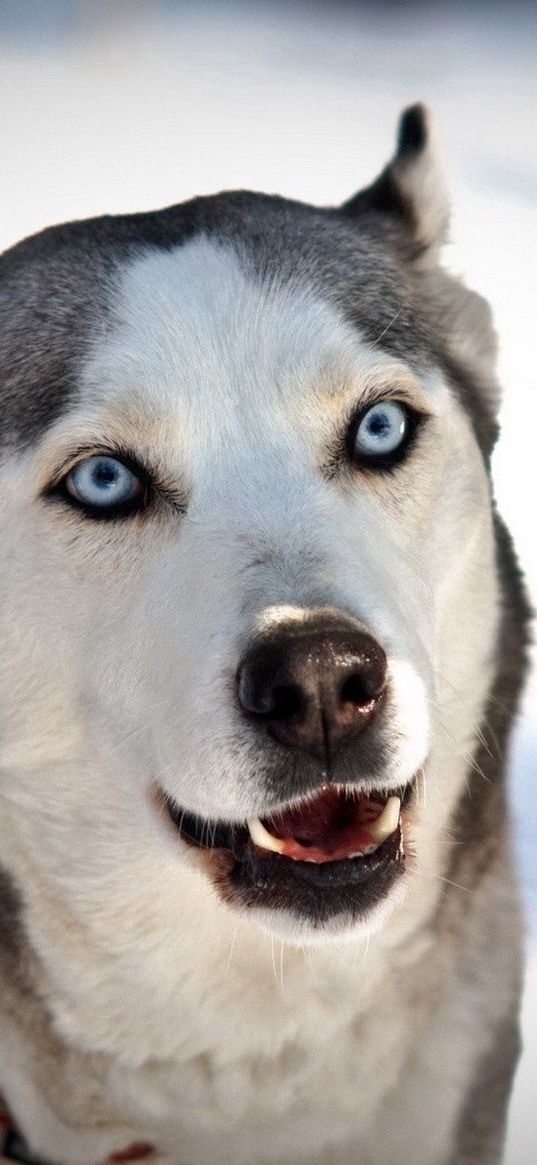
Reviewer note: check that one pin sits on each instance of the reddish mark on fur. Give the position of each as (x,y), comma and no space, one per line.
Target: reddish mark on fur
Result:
(134,1152)
(5,1118)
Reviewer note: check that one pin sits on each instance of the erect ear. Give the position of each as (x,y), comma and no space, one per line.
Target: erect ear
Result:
(410,190)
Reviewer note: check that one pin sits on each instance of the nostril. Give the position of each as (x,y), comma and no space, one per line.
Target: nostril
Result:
(356,690)
(361,688)
(269,701)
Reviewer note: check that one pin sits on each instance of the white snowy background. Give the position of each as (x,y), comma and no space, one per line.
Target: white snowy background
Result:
(124,105)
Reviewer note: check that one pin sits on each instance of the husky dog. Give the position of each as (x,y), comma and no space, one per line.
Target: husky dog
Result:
(263,637)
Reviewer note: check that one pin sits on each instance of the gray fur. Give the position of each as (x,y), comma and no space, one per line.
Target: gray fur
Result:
(481,1133)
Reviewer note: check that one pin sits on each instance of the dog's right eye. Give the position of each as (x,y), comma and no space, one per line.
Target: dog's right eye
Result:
(104,487)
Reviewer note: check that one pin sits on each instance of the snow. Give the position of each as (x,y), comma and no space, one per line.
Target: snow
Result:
(125,105)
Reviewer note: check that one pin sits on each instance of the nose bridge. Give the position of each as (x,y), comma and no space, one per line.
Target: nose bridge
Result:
(276,535)
(285,539)
(297,569)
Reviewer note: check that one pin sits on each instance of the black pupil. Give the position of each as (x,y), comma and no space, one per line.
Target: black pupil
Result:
(105,473)
(379,424)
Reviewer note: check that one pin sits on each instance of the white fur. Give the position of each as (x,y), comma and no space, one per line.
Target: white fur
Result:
(189,1024)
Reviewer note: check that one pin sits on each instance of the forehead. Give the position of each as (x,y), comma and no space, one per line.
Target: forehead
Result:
(207,271)
(194,332)
(213,376)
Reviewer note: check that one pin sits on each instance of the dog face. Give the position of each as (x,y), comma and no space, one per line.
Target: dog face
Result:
(248,590)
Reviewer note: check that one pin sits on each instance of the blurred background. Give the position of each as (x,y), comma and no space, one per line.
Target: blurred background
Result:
(126,105)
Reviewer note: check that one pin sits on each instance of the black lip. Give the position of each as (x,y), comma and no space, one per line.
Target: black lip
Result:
(315,892)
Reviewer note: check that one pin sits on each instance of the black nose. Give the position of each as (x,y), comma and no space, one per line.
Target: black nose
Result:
(315,687)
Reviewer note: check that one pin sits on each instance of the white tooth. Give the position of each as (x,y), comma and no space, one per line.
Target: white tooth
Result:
(388,821)
(261,837)
(365,851)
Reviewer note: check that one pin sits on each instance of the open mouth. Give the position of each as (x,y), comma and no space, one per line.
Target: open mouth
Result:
(337,850)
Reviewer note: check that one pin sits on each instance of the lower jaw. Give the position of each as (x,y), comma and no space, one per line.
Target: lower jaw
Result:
(328,897)
(317,895)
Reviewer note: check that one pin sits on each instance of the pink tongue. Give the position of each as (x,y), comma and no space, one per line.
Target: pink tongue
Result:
(329,827)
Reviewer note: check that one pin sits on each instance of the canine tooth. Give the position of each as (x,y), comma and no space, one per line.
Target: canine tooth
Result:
(388,821)
(261,837)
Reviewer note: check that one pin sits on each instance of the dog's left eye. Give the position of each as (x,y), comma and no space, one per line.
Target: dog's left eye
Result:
(381,434)
(104,487)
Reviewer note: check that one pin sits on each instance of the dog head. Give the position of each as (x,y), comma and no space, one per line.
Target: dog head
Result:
(248,586)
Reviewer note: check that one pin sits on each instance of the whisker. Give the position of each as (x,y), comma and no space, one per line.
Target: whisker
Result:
(442,878)
(232,947)
(365,956)
(390,325)
(273,959)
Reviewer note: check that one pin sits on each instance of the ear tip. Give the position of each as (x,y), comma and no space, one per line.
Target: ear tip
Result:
(411,188)
(414,129)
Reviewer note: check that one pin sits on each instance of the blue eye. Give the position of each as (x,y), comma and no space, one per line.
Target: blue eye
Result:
(105,486)
(383,432)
